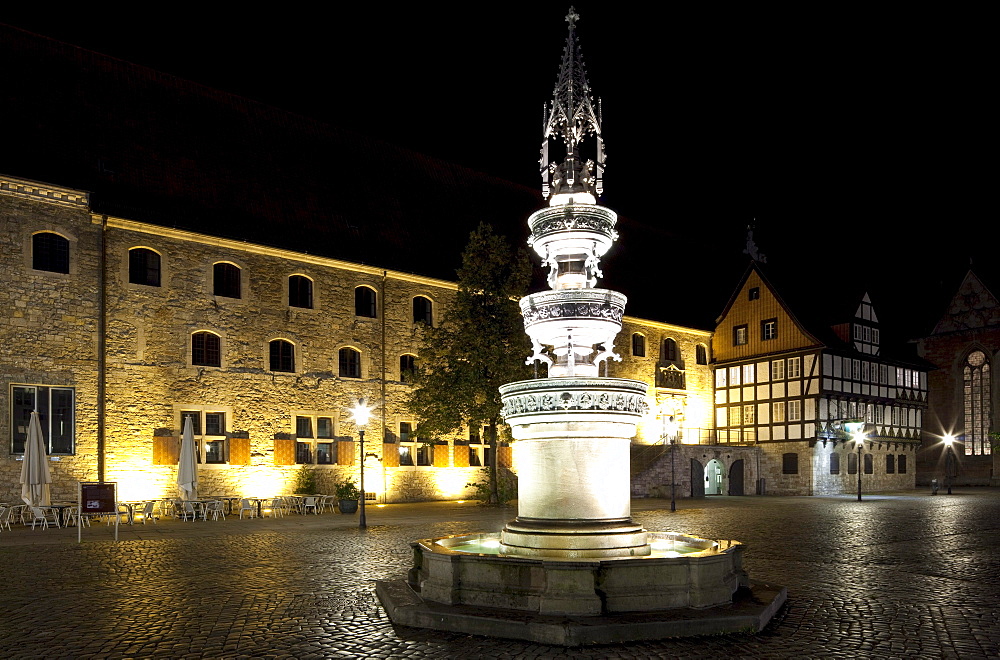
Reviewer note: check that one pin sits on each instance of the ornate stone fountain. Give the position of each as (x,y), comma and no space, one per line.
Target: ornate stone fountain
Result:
(574,550)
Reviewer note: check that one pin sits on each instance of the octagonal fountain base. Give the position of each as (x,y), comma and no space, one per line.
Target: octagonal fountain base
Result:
(686,586)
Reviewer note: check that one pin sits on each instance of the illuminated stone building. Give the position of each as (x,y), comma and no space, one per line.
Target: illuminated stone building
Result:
(791,384)
(964,346)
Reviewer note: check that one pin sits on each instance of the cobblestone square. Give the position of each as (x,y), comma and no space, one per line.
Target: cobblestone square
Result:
(904,575)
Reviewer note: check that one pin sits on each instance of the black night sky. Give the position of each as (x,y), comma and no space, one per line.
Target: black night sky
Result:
(858,142)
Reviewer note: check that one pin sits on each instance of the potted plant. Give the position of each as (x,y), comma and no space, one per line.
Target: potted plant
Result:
(347,494)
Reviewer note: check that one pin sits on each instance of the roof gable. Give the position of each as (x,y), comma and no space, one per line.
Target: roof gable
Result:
(973,306)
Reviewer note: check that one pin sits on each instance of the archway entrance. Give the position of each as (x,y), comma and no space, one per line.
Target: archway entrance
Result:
(736,478)
(715,478)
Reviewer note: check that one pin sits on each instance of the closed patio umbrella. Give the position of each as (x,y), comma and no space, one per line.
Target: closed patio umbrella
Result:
(35,477)
(187,467)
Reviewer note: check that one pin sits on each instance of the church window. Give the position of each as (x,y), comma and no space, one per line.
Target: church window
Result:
(282,356)
(350,363)
(206,349)
(143,267)
(670,350)
(977,399)
(300,292)
(638,345)
(226,280)
(366,302)
(423,311)
(50,251)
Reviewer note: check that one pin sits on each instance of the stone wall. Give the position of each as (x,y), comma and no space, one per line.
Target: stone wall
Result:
(655,481)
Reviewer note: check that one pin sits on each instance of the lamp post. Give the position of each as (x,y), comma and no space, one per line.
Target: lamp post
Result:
(670,432)
(948,439)
(361,412)
(860,439)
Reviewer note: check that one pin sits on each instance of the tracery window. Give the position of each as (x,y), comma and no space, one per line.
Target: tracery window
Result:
(977,397)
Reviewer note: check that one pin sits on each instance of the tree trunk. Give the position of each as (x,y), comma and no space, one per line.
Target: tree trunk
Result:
(494,485)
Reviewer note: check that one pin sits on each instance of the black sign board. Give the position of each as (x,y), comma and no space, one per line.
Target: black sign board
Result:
(97,498)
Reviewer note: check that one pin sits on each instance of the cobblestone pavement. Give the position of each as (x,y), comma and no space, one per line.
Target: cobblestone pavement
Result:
(895,576)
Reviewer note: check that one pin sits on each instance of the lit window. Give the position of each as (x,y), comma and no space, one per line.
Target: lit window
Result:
(748,414)
(282,356)
(143,267)
(778,411)
(748,374)
(795,367)
(350,363)
(56,412)
(734,375)
(638,345)
(366,302)
(50,252)
(977,399)
(735,415)
(670,350)
(790,463)
(226,282)
(720,377)
(423,311)
(300,292)
(319,426)
(794,409)
(700,354)
(412,449)
(769,329)
(739,335)
(206,350)
(777,369)
(407,367)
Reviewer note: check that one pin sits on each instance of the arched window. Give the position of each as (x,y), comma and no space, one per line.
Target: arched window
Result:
(206,349)
(50,252)
(834,463)
(423,311)
(852,463)
(890,464)
(350,363)
(669,350)
(407,365)
(226,280)
(143,267)
(701,354)
(869,464)
(282,355)
(638,345)
(365,302)
(977,398)
(300,292)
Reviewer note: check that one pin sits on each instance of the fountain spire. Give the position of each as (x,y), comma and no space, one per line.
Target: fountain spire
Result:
(570,117)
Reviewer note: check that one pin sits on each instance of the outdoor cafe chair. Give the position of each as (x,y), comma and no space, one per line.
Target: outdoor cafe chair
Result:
(247,505)
(214,508)
(277,507)
(45,515)
(325,502)
(310,503)
(74,516)
(122,514)
(5,512)
(147,512)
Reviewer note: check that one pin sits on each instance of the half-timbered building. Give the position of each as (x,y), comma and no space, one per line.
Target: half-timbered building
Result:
(797,388)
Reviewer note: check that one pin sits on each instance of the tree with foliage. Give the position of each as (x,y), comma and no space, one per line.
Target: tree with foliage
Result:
(479,345)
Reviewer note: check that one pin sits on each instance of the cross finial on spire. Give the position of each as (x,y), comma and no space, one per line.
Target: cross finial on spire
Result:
(572,17)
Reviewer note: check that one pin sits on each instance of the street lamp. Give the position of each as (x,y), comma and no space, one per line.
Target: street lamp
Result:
(859,438)
(361,412)
(948,439)
(670,432)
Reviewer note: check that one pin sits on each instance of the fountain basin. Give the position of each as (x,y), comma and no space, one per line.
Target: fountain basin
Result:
(682,571)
